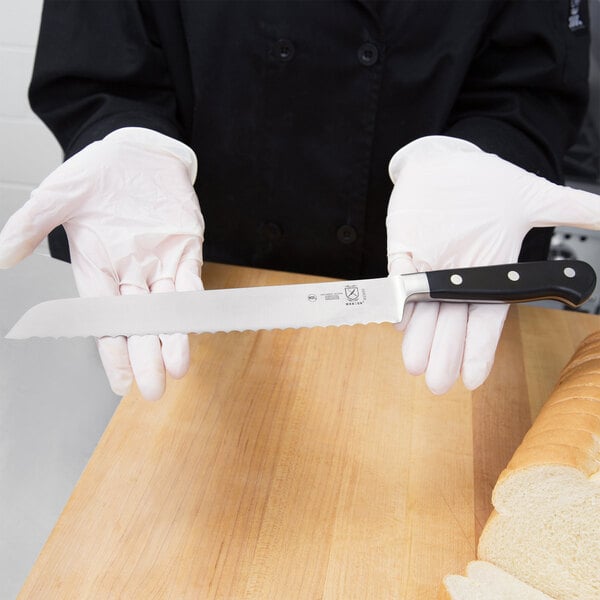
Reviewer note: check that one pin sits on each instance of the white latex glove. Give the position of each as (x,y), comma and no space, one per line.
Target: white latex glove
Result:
(134,226)
(454,205)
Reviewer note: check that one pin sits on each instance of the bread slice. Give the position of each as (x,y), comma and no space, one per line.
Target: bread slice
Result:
(545,529)
(485,581)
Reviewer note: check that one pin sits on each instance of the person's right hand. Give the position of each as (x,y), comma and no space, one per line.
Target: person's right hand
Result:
(134,226)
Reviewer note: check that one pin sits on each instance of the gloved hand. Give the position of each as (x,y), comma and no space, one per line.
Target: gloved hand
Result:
(134,226)
(454,205)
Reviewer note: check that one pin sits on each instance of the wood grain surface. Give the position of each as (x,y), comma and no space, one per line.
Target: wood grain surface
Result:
(299,464)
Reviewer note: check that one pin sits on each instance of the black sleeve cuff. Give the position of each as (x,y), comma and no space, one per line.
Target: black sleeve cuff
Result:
(99,129)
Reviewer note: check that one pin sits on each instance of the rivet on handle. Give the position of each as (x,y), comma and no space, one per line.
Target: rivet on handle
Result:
(569,272)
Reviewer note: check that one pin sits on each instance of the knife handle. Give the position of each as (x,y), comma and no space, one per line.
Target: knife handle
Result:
(569,281)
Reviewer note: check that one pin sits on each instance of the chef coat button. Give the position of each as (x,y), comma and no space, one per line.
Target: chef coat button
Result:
(368,54)
(285,50)
(347,234)
(270,231)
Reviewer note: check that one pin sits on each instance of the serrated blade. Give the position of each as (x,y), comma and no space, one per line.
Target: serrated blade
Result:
(271,307)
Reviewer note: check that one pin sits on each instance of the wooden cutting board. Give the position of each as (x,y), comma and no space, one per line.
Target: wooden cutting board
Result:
(299,464)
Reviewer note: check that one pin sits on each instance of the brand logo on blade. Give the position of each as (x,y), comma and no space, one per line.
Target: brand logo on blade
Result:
(353,295)
(351,292)
(312,297)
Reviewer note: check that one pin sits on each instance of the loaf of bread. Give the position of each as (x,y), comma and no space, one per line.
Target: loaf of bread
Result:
(545,529)
(542,541)
(485,581)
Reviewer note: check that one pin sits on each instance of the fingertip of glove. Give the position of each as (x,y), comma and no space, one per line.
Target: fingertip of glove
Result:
(121,388)
(115,360)
(474,374)
(120,380)
(414,365)
(438,388)
(475,369)
(176,354)
(177,371)
(152,392)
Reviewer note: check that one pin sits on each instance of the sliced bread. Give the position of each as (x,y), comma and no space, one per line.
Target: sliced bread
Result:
(485,581)
(545,529)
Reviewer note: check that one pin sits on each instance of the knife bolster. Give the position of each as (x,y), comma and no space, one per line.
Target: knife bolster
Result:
(414,287)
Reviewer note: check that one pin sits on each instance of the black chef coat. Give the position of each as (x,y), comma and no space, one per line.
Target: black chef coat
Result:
(295,108)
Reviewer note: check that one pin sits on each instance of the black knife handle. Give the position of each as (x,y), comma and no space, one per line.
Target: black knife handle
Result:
(569,281)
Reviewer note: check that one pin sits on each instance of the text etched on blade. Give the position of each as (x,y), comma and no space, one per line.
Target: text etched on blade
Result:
(352,295)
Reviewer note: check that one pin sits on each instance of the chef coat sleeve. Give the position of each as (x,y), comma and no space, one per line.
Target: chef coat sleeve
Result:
(97,69)
(525,93)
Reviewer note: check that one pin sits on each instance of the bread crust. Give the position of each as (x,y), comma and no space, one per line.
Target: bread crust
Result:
(578,420)
(582,402)
(550,454)
(586,359)
(567,430)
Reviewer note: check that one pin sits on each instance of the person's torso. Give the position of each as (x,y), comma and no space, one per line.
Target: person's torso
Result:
(295,109)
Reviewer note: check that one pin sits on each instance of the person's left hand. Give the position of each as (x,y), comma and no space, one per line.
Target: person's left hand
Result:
(454,205)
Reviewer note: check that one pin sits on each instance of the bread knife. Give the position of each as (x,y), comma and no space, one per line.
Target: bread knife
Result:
(304,305)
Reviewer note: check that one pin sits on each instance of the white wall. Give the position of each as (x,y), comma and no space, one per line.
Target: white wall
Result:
(28,151)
